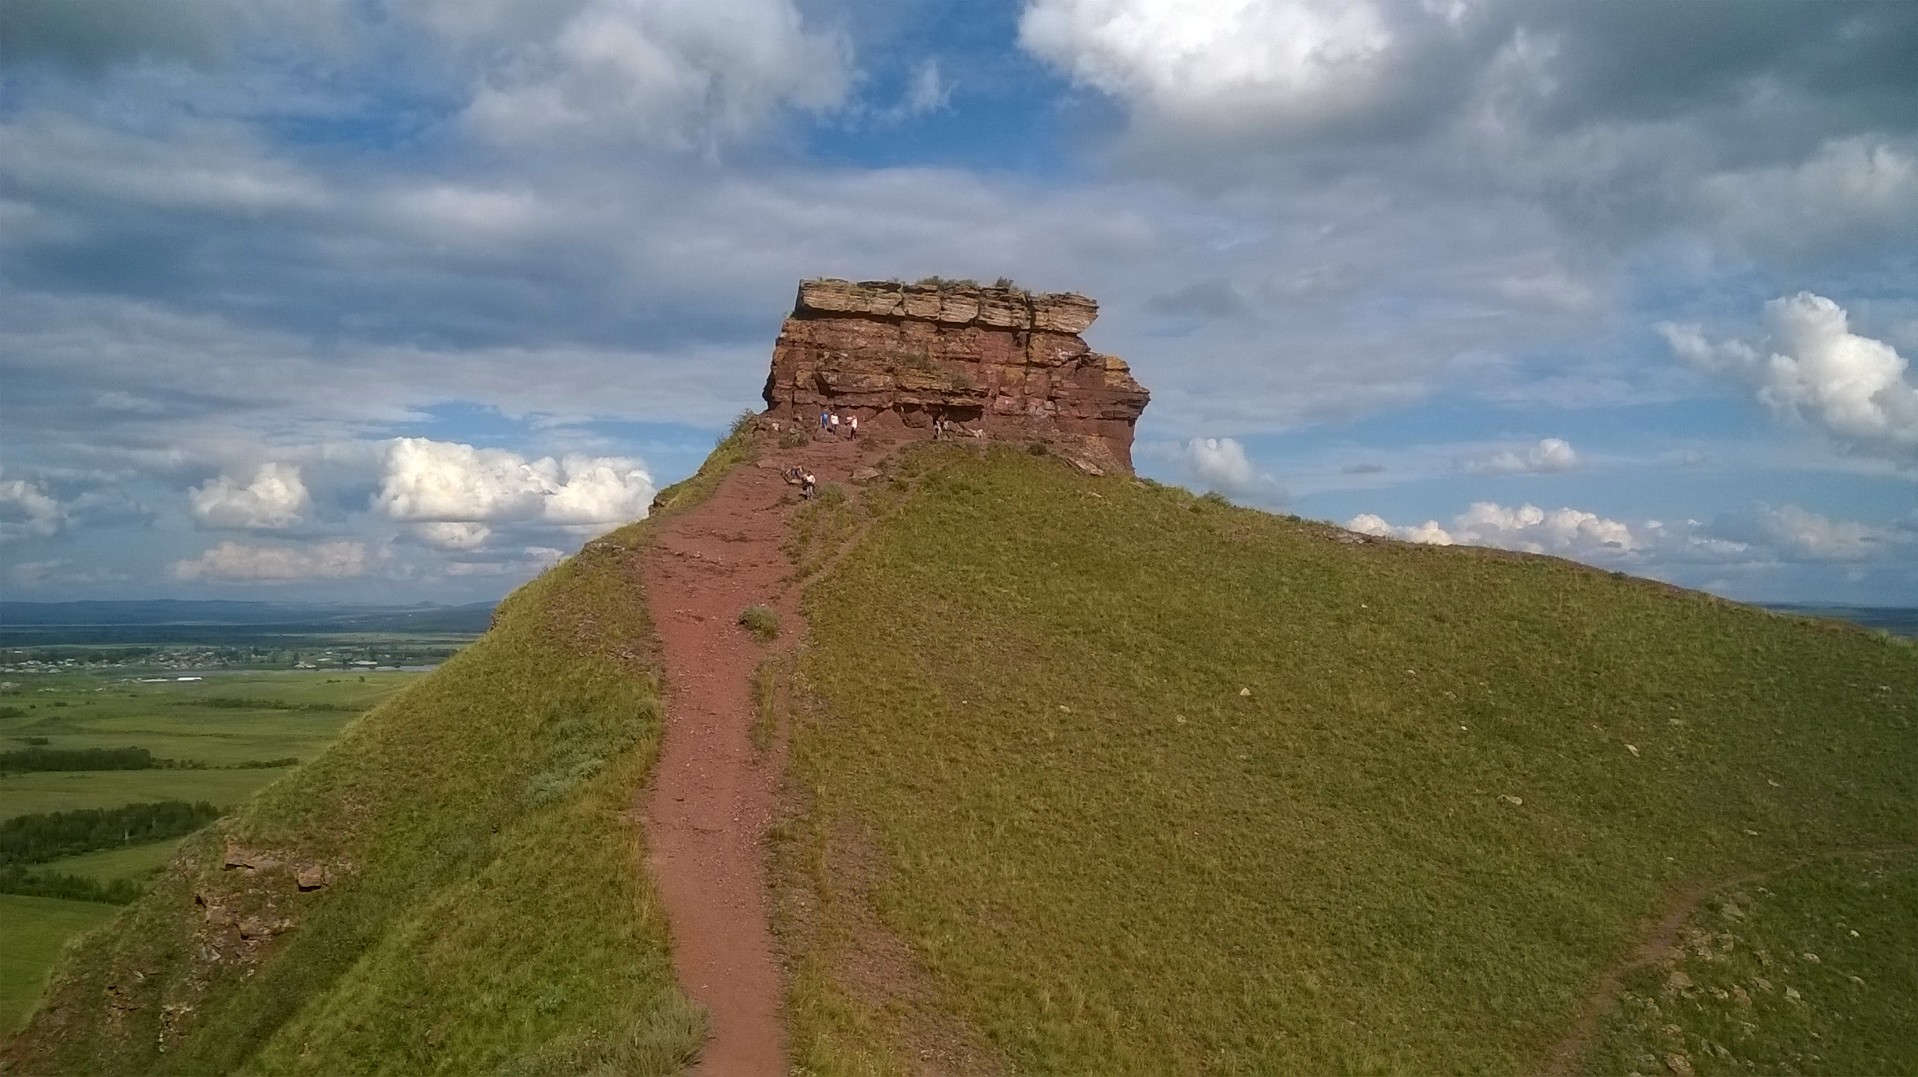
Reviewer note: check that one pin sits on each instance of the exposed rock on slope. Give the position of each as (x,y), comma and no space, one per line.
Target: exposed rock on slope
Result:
(1001,362)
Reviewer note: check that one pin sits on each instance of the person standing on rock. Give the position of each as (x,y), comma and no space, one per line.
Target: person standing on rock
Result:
(852,428)
(834,420)
(807,484)
(822,420)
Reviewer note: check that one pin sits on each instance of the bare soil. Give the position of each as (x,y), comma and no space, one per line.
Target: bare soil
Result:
(713,796)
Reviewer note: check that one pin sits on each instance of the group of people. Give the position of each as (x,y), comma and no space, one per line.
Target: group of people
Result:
(832,423)
(829,424)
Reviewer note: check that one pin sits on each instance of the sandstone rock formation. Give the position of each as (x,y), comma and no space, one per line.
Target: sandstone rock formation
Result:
(993,362)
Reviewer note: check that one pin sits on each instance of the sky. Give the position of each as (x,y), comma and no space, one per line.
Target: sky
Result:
(361,300)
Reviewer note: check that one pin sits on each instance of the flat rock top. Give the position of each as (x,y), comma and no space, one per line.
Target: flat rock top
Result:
(950,304)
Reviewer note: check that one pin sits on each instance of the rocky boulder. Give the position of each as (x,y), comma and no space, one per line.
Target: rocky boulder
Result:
(993,361)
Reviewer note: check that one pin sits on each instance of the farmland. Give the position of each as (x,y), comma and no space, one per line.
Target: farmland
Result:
(219,736)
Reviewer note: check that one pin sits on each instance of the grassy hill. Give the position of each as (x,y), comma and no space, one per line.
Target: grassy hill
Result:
(1089,775)
(481,905)
(1140,782)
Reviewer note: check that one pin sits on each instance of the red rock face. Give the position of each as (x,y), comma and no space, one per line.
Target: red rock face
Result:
(996,362)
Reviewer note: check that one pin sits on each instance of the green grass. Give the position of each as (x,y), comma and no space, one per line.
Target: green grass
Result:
(131,862)
(32,933)
(488,910)
(49,791)
(1155,784)
(1810,971)
(766,684)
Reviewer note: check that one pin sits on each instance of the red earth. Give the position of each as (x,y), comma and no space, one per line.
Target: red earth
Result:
(713,795)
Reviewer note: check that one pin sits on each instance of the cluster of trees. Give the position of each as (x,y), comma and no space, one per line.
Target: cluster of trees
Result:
(43,836)
(242,703)
(40,758)
(18,880)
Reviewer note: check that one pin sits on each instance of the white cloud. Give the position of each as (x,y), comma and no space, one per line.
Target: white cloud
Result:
(928,91)
(27,510)
(600,490)
(1181,59)
(1763,535)
(1549,455)
(1221,464)
(453,536)
(686,74)
(231,561)
(276,498)
(1811,367)
(1804,535)
(442,482)
(1565,532)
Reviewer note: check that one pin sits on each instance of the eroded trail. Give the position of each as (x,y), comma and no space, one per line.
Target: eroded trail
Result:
(712,798)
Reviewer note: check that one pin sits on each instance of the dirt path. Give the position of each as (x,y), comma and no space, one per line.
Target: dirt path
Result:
(713,794)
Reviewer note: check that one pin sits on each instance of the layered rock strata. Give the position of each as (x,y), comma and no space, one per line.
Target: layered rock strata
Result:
(992,362)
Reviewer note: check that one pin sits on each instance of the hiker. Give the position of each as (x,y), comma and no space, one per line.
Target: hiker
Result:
(807,484)
(937,423)
(822,420)
(835,424)
(852,428)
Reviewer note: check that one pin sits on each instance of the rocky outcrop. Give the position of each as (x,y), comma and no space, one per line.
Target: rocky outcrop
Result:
(992,362)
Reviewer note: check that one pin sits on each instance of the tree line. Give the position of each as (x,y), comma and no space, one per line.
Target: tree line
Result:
(43,836)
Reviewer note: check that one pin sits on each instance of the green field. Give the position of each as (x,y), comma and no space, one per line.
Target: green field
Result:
(298,715)
(32,933)
(1141,782)
(130,862)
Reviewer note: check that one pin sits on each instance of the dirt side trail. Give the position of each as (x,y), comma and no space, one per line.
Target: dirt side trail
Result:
(712,797)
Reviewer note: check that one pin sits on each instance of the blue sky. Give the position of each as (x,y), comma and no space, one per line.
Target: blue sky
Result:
(369,301)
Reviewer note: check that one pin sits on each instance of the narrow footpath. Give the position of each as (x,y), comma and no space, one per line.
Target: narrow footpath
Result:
(712,797)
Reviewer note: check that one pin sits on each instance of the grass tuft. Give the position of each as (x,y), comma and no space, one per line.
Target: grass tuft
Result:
(761,621)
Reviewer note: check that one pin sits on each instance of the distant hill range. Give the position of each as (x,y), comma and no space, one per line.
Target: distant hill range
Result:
(163,620)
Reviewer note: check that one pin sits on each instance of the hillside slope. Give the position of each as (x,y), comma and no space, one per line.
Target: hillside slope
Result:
(455,887)
(1099,776)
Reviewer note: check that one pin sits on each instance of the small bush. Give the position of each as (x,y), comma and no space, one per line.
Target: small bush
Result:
(1038,448)
(761,621)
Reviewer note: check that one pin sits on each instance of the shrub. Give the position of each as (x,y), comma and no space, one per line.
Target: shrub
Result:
(760,620)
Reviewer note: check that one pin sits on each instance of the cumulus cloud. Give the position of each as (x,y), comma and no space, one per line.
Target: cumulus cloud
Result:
(1566,532)
(686,74)
(233,562)
(274,499)
(1811,367)
(1804,535)
(1200,60)
(1762,535)
(443,482)
(453,536)
(1549,455)
(1221,464)
(27,510)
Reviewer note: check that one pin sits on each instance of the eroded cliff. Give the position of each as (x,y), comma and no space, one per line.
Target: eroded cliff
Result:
(992,361)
